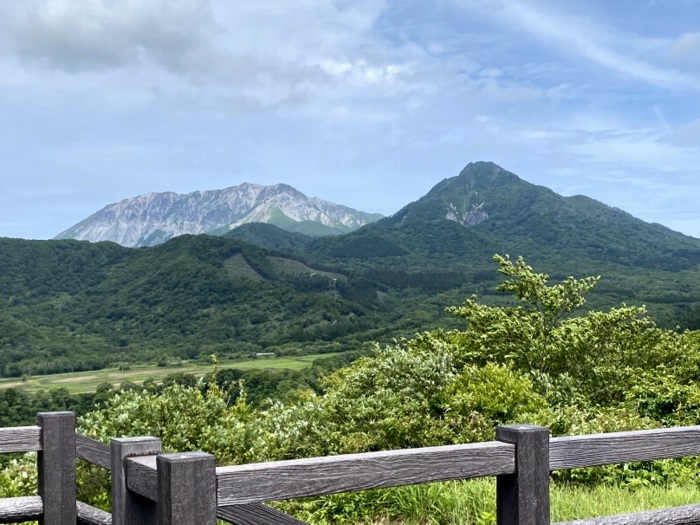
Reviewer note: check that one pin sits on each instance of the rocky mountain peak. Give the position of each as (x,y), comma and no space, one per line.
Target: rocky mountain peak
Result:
(153,218)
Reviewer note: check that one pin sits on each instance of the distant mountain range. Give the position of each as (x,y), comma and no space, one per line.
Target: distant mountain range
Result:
(153,218)
(66,304)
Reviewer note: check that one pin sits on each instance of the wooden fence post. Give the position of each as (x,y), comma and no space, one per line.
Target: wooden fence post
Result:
(56,468)
(523,498)
(129,508)
(186,489)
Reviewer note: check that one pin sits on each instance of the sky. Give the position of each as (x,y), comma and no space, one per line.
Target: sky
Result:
(365,103)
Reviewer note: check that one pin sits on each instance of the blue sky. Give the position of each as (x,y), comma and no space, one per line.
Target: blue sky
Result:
(366,103)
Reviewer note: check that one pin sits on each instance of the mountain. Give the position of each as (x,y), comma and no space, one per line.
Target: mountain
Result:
(268,236)
(68,305)
(444,243)
(486,209)
(153,218)
(74,305)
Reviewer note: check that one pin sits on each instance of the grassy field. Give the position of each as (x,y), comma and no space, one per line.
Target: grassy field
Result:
(87,381)
(474,502)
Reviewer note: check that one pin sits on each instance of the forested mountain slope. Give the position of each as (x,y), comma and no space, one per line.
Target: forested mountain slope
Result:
(68,305)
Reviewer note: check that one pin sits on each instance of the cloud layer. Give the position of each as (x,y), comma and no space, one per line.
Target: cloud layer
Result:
(367,102)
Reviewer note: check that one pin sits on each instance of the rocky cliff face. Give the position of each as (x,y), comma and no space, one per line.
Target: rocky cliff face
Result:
(154,218)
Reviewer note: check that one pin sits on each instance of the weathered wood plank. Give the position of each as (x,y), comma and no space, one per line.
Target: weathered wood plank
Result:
(686,515)
(623,447)
(142,476)
(186,489)
(89,515)
(258,482)
(20,439)
(92,451)
(130,508)
(522,498)
(255,514)
(14,510)
(56,468)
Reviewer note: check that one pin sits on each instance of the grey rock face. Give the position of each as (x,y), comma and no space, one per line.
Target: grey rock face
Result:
(154,218)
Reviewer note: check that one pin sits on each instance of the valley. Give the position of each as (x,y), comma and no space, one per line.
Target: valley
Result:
(70,306)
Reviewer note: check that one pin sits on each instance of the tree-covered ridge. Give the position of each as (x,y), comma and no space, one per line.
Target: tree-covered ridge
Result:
(180,299)
(67,305)
(496,207)
(268,236)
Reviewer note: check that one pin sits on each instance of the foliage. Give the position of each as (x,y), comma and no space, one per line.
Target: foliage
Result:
(482,397)
(601,353)
(542,357)
(371,405)
(204,421)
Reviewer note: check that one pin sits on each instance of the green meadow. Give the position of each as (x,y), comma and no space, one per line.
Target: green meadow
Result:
(80,382)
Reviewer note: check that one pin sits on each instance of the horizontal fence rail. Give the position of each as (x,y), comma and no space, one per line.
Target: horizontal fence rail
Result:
(142,476)
(255,514)
(20,439)
(30,508)
(93,451)
(21,509)
(186,488)
(685,515)
(88,515)
(623,447)
(279,480)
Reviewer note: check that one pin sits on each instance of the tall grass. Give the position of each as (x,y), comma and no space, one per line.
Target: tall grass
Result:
(474,502)
(570,502)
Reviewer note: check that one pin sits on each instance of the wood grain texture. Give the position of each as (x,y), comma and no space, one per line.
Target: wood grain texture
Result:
(20,439)
(89,515)
(186,489)
(522,498)
(142,476)
(623,447)
(255,514)
(129,508)
(14,510)
(279,480)
(92,451)
(686,515)
(56,468)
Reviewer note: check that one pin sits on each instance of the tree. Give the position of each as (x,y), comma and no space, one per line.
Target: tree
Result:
(545,335)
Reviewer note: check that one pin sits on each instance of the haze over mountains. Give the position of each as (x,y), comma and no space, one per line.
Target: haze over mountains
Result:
(153,218)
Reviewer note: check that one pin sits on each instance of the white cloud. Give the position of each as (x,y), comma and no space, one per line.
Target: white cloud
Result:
(575,36)
(263,54)
(77,35)
(642,148)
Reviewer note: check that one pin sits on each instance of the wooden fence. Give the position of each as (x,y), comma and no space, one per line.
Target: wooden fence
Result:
(188,489)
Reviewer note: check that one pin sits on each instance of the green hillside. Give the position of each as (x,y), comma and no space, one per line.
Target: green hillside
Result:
(194,295)
(268,236)
(456,228)
(69,306)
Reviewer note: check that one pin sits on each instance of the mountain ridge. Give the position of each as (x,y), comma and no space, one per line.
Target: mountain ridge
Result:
(498,212)
(153,218)
(65,304)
